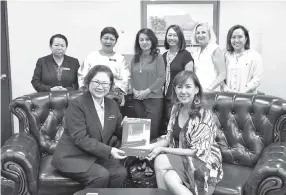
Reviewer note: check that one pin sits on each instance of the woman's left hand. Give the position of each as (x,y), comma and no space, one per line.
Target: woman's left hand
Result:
(143,94)
(62,88)
(155,152)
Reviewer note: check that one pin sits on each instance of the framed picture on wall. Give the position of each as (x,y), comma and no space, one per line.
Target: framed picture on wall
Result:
(158,15)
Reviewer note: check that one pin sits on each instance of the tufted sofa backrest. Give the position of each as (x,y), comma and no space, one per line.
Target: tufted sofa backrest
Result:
(42,115)
(249,123)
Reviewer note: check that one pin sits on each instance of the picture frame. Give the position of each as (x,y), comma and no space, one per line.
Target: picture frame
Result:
(158,15)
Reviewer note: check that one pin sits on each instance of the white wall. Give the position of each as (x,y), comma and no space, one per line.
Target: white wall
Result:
(266,23)
(31,24)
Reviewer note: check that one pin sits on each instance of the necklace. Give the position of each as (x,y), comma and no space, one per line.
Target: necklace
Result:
(142,64)
(238,56)
(140,67)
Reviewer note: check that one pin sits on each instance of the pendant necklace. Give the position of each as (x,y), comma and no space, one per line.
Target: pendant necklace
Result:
(140,64)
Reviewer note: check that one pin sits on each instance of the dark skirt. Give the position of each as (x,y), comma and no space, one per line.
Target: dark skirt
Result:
(177,163)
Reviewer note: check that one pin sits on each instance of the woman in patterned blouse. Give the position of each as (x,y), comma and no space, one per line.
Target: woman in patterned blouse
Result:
(188,160)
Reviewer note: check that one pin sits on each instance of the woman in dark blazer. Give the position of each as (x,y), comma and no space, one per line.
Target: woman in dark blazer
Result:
(83,153)
(57,71)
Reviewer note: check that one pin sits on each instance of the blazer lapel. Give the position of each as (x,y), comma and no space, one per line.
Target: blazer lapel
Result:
(51,66)
(108,117)
(93,112)
(67,66)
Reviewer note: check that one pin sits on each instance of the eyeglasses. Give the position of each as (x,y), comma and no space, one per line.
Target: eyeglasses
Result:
(108,38)
(97,83)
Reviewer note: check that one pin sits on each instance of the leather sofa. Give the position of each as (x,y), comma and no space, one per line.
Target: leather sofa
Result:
(252,141)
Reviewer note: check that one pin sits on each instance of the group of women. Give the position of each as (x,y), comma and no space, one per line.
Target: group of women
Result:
(187,158)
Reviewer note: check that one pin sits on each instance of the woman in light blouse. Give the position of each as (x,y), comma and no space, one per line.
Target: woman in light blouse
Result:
(115,61)
(244,65)
(209,59)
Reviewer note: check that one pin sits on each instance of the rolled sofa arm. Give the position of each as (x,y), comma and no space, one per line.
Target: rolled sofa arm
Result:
(269,174)
(20,161)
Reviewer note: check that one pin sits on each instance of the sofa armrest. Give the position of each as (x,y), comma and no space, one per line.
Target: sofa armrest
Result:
(269,174)
(20,161)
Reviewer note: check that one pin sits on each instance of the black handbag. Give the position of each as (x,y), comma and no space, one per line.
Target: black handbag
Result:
(136,178)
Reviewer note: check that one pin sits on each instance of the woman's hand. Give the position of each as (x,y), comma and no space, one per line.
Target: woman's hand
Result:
(56,88)
(63,89)
(135,93)
(143,94)
(117,154)
(155,152)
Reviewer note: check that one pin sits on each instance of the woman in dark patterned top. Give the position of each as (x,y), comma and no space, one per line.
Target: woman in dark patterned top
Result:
(188,160)
(57,71)
(176,59)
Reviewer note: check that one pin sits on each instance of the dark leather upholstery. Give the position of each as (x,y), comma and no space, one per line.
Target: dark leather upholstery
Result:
(234,179)
(253,128)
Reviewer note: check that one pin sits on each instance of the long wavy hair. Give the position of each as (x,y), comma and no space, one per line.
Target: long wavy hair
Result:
(154,41)
(197,103)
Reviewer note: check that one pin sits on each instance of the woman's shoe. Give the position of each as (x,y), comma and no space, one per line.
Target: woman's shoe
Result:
(148,172)
(142,166)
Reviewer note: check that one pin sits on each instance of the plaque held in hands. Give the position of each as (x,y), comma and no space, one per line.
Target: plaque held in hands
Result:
(135,136)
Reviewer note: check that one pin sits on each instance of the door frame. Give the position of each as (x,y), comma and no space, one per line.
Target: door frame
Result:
(5,61)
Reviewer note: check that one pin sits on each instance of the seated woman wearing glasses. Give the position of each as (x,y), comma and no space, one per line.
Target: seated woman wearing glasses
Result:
(83,153)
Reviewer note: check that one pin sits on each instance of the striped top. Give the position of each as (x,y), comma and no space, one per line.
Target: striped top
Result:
(199,135)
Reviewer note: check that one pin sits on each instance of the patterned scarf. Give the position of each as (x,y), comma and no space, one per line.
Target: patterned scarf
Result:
(170,57)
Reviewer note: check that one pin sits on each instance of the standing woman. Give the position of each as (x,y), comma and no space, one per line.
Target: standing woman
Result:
(115,61)
(147,79)
(244,65)
(176,59)
(209,59)
(57,71)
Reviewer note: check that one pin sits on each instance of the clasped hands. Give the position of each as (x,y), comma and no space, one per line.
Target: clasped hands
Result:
(58,88)
(141,94)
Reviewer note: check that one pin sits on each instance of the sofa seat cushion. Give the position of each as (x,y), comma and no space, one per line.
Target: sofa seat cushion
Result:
(49,178)
(234,178)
